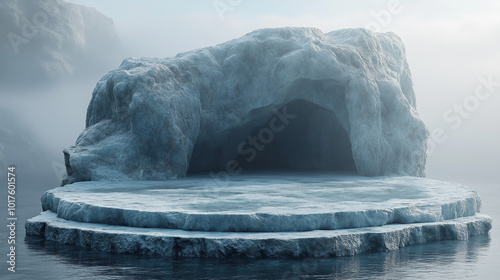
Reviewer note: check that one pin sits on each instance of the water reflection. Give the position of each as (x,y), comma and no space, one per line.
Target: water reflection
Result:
(451,259)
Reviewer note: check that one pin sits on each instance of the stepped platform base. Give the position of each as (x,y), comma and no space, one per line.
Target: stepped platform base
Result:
(264,215)
(317,243)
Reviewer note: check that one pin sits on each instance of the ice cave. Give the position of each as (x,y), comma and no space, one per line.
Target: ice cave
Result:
(161,118)
(286,142)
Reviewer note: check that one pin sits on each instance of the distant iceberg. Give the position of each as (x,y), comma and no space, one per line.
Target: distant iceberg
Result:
(345,97)
(48,40)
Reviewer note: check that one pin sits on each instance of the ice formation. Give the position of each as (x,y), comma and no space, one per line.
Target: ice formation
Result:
(287,98)
(43,40)
(318,243)
(259,216)
(343,100)
(263,203)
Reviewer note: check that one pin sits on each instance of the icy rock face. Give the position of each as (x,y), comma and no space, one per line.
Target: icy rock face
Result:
(50,39)
(342,100)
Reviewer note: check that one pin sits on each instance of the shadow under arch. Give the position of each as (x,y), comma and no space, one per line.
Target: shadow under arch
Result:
(297,135)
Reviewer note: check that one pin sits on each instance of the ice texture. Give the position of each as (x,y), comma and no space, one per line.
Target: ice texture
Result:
(263,203)
(350,92)
(318,243)
(259,215)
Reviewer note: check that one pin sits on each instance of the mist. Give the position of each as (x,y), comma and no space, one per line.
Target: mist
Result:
(451,48)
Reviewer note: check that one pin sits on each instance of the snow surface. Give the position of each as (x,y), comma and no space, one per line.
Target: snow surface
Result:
(157,118)
(318,243)
(265,203)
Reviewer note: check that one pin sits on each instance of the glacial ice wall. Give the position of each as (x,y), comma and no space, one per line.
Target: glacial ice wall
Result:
(158,118)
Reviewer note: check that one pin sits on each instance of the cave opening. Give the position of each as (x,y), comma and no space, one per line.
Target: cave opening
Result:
(299,136)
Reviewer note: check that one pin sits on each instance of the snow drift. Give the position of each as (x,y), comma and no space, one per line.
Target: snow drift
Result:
(273,99)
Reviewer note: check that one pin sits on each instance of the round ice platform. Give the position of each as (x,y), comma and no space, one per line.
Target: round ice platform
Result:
(250,214)
(263,203)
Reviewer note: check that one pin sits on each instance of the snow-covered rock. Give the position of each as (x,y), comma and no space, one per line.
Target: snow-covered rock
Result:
(274,99)
(43,40)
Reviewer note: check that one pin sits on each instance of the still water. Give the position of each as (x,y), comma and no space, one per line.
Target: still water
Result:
(477,258)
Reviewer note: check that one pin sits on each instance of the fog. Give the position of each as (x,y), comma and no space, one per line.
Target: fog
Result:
(451,47)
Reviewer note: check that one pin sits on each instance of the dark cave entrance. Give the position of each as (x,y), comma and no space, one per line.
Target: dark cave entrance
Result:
(299,135)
